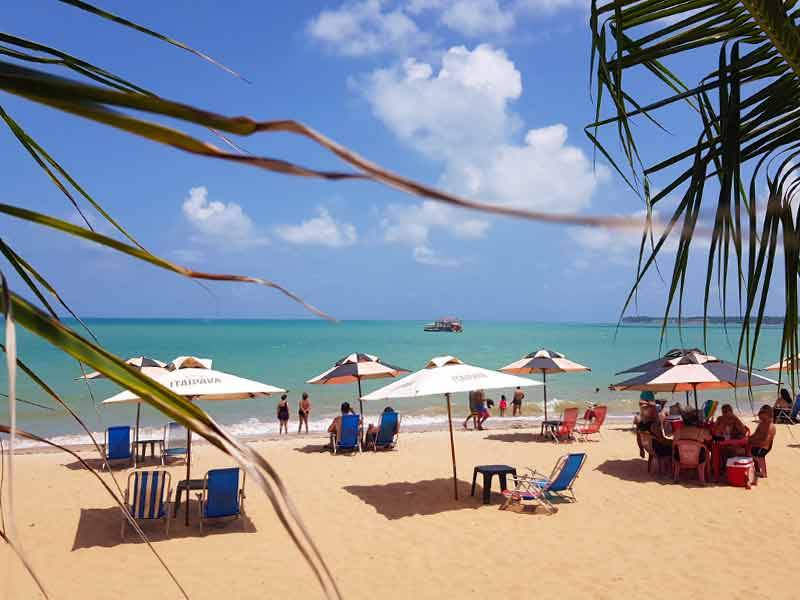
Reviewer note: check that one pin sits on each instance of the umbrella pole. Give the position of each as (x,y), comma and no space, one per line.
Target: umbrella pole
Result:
(360,403)
(452,447)
(544,390)
(695,396)
(360,411)
(136,433)
(188,469)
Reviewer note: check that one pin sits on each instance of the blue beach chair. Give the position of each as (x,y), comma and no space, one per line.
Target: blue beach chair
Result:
(148,497)
(562,478)
(175,444)
(388,432)
(118,444)
(350,438)
(221,495)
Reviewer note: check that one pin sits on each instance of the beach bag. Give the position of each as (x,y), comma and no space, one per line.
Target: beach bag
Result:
(741,471)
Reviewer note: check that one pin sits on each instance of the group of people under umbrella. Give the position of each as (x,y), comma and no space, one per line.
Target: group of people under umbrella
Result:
(679,370)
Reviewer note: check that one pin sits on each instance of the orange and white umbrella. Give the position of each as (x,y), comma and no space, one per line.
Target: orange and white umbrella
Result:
(544,361)
(145,364)
(355,367)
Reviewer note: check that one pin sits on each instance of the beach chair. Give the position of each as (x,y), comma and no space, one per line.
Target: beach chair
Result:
(175,443)
(561,480)
(221,495)
(592,428)
(148,497)
(388,432)
(349,438)
(688,452)
(118,444)
(786,416)
(565,428)
(526,491)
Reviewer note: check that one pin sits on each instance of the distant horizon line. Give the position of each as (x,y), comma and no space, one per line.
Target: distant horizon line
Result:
(625,321)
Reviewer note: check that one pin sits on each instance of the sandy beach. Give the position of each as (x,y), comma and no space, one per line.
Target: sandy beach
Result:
(387,524)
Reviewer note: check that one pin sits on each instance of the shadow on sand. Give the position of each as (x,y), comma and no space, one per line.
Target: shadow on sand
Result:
(527,436)
(117,466)
(401,499)
(100,527)
(635,469)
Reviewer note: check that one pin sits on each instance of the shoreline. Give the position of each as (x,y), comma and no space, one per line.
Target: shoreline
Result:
(495,424)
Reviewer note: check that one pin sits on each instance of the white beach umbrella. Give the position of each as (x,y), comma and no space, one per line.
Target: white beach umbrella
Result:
(544,361)
(446,375)
(201,384)
(691,372)
(355,367)
(147,366)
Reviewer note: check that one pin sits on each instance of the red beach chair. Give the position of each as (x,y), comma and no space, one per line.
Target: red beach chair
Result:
(593,427)
(567,426)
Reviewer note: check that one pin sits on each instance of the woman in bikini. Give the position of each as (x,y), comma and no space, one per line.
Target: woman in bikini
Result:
(303,411)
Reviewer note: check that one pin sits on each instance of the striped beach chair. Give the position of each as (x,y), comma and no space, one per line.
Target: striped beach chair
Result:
(148,497)
(175,443)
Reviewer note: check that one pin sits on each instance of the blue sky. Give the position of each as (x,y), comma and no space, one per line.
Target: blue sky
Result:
(486,98)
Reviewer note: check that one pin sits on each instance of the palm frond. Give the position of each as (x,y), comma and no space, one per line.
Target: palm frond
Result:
(183,411)
(747,109)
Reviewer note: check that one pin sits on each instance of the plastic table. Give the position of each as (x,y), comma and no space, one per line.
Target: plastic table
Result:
(489,471)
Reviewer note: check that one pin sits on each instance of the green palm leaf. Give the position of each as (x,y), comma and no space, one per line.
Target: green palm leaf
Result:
(748,121)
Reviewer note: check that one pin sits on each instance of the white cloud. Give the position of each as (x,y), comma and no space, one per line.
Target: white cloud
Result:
(620,246)
(365,28)
(216,222)
(460,116)
(477,17)
(322,230)
(412,224)
(427,256)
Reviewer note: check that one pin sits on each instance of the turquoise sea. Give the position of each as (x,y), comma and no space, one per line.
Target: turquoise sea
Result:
(286,353)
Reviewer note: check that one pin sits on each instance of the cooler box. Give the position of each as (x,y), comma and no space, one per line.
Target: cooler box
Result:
(741,471)
(674,423)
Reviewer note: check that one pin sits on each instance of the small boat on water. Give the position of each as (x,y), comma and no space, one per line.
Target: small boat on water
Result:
(448,324)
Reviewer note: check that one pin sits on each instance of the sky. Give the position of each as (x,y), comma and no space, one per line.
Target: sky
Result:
(483,98)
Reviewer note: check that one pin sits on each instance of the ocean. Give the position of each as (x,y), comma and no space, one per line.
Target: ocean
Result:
(286,353)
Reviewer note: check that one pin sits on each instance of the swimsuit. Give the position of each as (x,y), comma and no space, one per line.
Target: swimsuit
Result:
(283,412)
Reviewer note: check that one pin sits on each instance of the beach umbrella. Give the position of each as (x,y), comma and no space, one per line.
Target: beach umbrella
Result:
(355,367)
(657,363)
(691,372)
(786,364)
(189,362)
(146,365)
(544,361)
(446,375)
(196,383)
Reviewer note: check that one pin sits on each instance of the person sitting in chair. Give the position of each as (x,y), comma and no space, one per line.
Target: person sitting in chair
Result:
(372,430)
(336,425)
(782,409)
(728,425)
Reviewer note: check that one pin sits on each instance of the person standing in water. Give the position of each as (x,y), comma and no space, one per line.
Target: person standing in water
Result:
(303,411)
(516,402)
(283,416)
